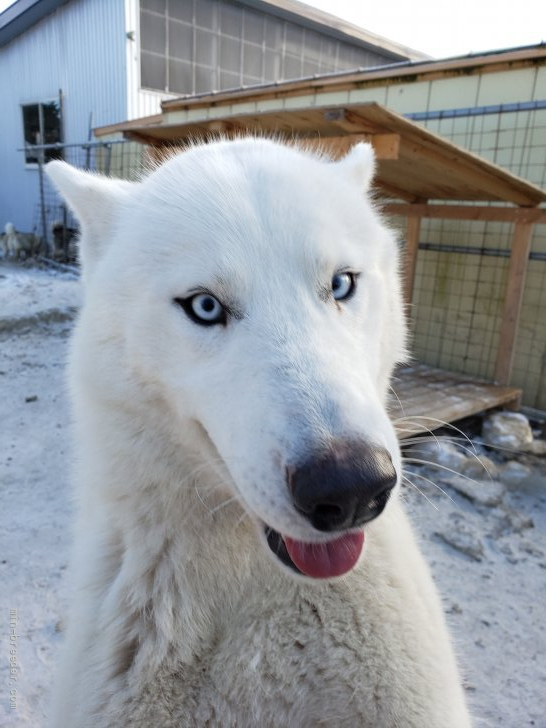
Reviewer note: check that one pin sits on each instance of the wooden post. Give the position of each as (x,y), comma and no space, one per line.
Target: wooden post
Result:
(519,257)
(410,260)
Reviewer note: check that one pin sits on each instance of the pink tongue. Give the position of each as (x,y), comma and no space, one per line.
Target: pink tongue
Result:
(324,560)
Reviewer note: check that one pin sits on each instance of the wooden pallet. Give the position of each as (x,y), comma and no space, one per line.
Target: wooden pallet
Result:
(425,398)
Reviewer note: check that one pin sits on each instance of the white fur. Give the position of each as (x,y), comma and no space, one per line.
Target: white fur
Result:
(182,615)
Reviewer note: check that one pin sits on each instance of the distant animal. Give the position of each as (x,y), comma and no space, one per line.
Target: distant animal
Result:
(242,557)
(20,245)
(64,242)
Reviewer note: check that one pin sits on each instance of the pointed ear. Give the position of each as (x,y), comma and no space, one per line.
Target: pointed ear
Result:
(359,164)
(94,200)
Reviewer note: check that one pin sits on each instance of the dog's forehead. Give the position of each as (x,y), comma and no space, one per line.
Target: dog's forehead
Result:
(236,207)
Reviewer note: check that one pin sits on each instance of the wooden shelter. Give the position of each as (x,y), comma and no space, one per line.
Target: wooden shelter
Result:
(419,175)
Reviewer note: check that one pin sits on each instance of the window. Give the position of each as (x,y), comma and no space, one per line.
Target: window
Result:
(195,46)
(42,125)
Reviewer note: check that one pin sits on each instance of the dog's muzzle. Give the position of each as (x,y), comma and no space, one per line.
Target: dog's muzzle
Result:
(338,491)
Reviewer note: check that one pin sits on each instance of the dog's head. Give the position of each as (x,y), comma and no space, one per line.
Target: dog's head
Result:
(252,288)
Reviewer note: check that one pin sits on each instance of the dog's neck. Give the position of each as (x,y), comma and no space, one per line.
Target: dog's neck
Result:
(173,554)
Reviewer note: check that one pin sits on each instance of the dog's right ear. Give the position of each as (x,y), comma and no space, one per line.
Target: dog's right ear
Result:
(94,199)
(359,163)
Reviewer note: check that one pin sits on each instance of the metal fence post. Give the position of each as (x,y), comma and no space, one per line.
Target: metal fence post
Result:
(108,162)
(42,202)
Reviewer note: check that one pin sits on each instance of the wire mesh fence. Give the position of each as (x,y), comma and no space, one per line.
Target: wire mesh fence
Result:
(462,266)
(459,294)
(52,219)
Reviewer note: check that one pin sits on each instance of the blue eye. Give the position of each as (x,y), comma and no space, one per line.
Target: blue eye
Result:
(343,286)
(204,309)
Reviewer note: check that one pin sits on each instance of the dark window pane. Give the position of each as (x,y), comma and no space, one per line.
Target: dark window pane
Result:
(205,80)
(252,60)
(229,80)
(44,128)
(326,67)
(231,20)
(51,115)
(153,71)
(253,26)
(152,33)
(312,46)
(181,10)
(292,67)
(205,48)
(31,124)
(158,6)
(310,68)
(180,77)
(328,52)
(31,128)
(180,41)
(230,54)
(274,30)
(205,14)
(272,65)
(294,38)
(350,57)
(251,81)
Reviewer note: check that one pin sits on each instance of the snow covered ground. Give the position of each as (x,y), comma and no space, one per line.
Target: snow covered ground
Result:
(485,539)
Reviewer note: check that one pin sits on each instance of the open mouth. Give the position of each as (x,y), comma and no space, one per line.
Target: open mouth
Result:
(317,560)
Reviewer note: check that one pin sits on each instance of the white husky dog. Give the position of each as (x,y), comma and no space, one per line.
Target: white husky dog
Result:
(242,558)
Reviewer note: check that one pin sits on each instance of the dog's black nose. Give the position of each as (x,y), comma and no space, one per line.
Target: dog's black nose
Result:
(343,487)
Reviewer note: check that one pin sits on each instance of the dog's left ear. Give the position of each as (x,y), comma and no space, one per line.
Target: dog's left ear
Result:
(359,163)
(95,200)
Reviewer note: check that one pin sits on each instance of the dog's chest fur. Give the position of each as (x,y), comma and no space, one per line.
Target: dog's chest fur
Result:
(291,654)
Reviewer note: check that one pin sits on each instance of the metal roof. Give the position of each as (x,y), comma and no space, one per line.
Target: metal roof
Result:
(22,15)
(401,72)
(327,24)
(414,164)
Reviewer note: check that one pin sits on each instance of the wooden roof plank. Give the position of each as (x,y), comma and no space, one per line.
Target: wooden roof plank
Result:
(425,165)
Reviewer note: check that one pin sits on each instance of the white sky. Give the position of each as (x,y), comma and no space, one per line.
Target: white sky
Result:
(442,28)
(439,27)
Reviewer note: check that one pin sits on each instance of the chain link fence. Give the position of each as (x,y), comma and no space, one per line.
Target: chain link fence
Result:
(53,221)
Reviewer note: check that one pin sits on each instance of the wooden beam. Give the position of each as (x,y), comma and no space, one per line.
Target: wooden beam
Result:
(410,257)
(467,212)
(386,146)
(519,257)
(142,138)
(463,168)
(397,193)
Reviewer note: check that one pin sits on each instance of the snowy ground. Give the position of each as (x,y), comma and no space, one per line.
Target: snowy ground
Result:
(486,544)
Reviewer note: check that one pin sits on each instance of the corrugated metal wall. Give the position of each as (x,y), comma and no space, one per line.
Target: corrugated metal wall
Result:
(80,49)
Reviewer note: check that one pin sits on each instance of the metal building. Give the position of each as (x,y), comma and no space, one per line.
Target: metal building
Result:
(69,65)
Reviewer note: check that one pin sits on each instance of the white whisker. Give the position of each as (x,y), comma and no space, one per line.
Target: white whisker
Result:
(430,464)
(435,485)
(406,479)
